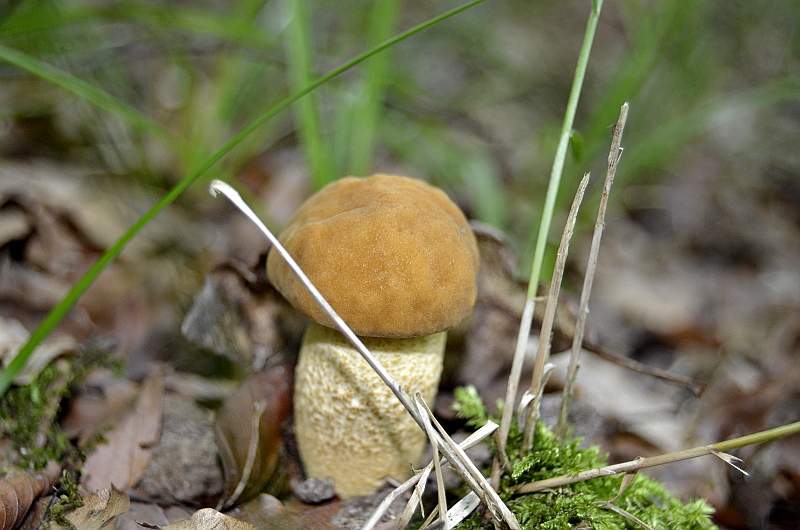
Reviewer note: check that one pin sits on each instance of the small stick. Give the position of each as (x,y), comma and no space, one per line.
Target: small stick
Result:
(583,309)
(537,378)
(668,458)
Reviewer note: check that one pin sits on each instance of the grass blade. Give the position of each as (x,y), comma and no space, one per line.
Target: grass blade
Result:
(544,229)
(367,108)
(87,92)
(309,128)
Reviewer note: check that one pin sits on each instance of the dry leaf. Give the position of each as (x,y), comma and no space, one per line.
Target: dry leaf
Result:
(104,400)
(210,519)
(18,491)
(98,509)
(250,457)
(122,460)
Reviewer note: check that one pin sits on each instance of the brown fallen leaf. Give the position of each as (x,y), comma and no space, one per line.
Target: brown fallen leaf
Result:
(247,430)
(122,460)
(18,491)
(98,509)
(209,519)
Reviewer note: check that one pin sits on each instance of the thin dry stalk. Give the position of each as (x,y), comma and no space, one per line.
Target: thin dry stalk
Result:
(543,354)
(457,459)
(473,477)
(500,462)
(436,465)
(668,458)
(419,480)
(583,309)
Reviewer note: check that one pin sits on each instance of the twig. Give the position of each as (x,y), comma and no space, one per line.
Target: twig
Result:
(543,354)
(668,458)
(583,308)
(695,387)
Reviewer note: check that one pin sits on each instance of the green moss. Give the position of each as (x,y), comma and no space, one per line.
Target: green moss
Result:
(582,502)
(67,498)
(38,438)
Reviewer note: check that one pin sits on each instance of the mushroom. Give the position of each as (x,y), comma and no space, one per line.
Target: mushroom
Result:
(398,262)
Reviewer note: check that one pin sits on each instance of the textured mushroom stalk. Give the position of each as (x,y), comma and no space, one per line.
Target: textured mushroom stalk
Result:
(354,429)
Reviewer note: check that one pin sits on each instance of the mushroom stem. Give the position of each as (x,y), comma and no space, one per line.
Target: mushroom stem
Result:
(349,425)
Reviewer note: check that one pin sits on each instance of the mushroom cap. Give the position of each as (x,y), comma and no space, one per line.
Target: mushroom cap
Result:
(394,256)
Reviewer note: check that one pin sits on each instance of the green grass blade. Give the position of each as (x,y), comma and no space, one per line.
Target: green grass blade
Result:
(230,27)
(561,151)
(299,50)
(366,113)
(58,313)
(87,92)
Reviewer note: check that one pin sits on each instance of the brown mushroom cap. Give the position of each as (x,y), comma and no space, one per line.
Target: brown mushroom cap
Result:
(394,256)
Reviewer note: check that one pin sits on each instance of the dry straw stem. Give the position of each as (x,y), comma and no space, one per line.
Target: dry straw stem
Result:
(641,463)
(454,455)
(543,353)
(419,480)
(421,407)
(614,155)
(473,477)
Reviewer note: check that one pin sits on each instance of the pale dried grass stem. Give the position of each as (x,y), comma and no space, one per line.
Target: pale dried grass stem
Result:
(614,156)
(543,353)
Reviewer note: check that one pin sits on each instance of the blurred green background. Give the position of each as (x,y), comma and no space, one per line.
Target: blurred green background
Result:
(473,104)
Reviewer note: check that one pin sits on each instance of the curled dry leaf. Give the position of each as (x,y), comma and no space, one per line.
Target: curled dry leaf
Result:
(98,509)
(247,430)
(19,489)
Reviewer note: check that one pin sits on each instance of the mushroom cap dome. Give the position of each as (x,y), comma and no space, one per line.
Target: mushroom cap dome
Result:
(394,256)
